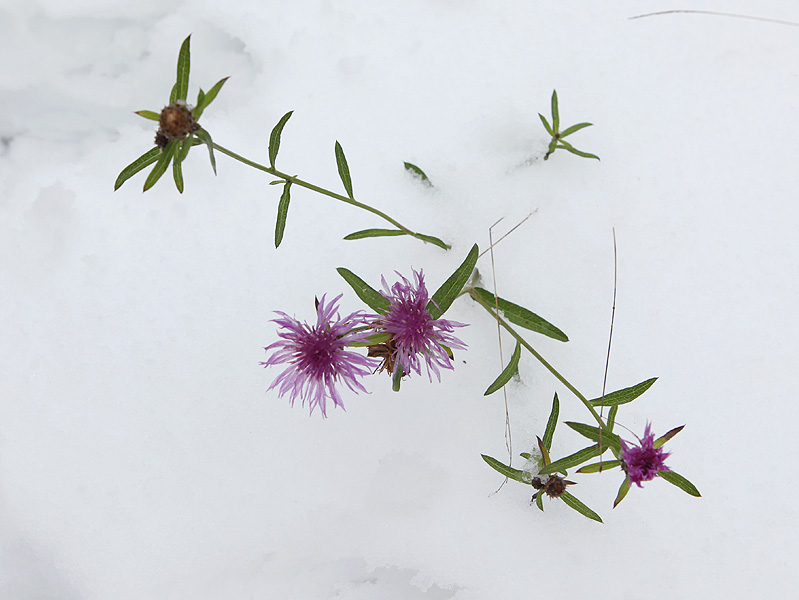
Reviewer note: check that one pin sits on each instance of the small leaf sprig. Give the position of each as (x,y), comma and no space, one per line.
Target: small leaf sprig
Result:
(179,130)
(553,129)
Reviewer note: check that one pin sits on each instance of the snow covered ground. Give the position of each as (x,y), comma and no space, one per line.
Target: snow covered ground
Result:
(140,456)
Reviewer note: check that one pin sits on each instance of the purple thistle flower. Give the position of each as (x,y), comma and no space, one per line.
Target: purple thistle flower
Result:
(318,356)
(416,336)
(642,462)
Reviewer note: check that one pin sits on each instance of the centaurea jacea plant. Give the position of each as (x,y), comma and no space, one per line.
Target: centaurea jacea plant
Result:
(320,357)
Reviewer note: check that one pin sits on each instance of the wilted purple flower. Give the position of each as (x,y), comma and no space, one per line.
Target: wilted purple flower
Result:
(642,462)
(415,335)
(318,356)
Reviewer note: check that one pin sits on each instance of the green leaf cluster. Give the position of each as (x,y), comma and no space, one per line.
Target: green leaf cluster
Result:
(175,151)
(553,129)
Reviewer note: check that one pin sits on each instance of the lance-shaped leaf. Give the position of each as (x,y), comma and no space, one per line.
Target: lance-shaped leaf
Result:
(667,436)
(137,165)
(555,111)
(573,128)
(579,507)
(539,500)
(592,433)
(612,417)
(205,138)
(552,422)
(203,100)
(148,114)
(599,467)
(431,239)
(161,164)
(344,170)
(522,317)
(681,482)
(370,296)
(367,233)
(545,459)
(546,125)
(444,296)
(282,213)
(417,172)
(396,377)
(572,460)
(509,371)
(567,146)
(181,89)
(177,163)
(623,489)
(625,395)
(509,472)
(274,137)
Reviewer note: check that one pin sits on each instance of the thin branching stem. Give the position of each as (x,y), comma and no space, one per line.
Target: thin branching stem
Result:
(315,188)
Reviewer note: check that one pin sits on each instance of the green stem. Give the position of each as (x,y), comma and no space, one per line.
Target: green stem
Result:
(540,358)
(315,188)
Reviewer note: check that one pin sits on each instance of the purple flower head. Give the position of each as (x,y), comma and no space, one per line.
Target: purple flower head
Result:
(642,462)
(416,337)
(318,356)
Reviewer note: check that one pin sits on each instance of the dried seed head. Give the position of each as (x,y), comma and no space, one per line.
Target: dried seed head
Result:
(387,352)
(553,487)
(176,123)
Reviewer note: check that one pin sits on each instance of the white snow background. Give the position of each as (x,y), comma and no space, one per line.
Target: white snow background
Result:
(140,455)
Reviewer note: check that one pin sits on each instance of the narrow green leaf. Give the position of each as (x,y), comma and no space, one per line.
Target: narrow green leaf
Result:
(509,472)
(522,317)
(205,138)
(612,417)
(549,432)
(567,146)
(396,377)
(202,103)
(149,114)
(592,433)
(274,137)
(185,146)
(555,113)
(184,64)
(200,98)
(417,172)
(600,467)
(344,170)
(526,455)
(546,125)
(509,371)
(371,297)
(367,233)
(444,296)
(433,240)
(173,94)
(667,436)
(161,165)
(137,165)
(177,163)
(579,507)
(545,459)
(573,128)
(625,395)
(681,482)
(623,489)
(572,460)
(539,500)
(282,213)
